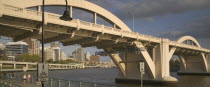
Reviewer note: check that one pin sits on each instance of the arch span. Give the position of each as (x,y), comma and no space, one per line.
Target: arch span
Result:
(190,59)
(184,38)
(83,4)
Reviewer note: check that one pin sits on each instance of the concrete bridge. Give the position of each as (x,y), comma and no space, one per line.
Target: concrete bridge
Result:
(18,22)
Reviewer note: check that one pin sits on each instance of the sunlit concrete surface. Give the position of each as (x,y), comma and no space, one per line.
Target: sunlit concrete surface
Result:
(19,23)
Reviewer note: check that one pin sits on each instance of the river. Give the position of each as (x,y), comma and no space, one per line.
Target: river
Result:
(107,76)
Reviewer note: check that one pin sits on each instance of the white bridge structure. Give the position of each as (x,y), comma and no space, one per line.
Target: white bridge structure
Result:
(19,22)
(20,66)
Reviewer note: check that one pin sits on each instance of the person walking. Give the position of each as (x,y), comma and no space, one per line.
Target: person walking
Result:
(24,78)
(12,75)
(29,78)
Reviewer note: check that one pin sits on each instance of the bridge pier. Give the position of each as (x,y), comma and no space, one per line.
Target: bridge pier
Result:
(208,62)
(192,64)
(198,65)
(132,71)
(157,69)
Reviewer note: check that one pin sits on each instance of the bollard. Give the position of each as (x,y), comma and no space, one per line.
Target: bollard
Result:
(94,85)
(59,83)
(69,83)
(80,84)
(50,82)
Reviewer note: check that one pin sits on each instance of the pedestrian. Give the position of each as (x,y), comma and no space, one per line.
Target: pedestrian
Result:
(12,75)
(24,78)
(29,78)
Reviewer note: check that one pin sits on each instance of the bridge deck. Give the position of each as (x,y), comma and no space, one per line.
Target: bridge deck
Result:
(25,22)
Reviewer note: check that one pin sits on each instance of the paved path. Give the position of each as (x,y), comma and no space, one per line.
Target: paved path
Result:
(19,83)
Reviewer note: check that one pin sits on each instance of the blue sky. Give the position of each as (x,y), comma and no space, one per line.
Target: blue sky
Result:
(161,18)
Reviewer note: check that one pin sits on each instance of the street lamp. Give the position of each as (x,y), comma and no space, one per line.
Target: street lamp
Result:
(66,15)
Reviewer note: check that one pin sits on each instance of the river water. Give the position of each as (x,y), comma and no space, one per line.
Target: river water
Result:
(107,76)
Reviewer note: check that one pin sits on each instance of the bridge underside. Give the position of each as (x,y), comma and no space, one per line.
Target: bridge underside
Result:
(20,29)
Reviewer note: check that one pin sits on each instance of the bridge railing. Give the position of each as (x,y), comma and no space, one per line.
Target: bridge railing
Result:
(21,11)
(182,45)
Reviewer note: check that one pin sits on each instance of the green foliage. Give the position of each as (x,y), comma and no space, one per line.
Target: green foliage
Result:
(174,65)
(28,58)
(3,58)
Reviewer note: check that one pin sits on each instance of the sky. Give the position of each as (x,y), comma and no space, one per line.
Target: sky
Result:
(161,18)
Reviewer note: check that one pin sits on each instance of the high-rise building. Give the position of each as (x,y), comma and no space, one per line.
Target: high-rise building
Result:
(57,53)
(63,56)
(87,56)
(33,45)
(49,53)
(95,59)
(14,49)
(53,44)
(79,54)
(57,50)
(2,50)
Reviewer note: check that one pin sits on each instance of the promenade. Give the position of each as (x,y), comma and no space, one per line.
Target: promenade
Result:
(16,83)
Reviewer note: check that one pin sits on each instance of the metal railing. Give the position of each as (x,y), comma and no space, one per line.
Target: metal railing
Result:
(53,82)
(7,84)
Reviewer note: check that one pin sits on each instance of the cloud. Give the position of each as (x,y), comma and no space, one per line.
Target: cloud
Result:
(174,35)
(151,8)
(199,28)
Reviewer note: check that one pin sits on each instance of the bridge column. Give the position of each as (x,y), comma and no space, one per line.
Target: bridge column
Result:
(182,64)
(95,18)
(1,9)
(71,12)
(39,8)
(156,65)
(208,61)
(131,61)
(165,58)
(14,66)
(161,55)
(121,66)
(114,25)
(26,66)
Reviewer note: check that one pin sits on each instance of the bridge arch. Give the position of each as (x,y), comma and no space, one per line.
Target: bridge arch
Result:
(83,4)
(188,63)
(185,38)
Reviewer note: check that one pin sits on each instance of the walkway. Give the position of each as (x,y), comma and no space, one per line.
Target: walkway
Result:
(19,83)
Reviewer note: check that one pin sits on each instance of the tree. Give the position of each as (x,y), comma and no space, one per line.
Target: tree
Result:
(28,58)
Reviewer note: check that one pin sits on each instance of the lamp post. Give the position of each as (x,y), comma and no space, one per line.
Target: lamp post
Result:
(65,17)
(43,20)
